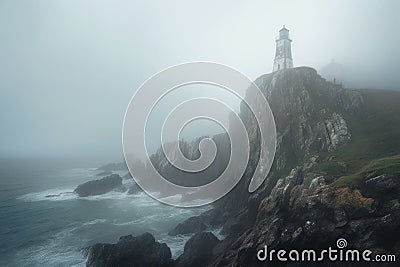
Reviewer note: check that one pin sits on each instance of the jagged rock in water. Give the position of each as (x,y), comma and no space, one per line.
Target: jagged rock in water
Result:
(99,187)
(140,251)
(192,225)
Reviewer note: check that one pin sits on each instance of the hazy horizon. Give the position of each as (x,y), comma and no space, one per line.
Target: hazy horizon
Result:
(69,68)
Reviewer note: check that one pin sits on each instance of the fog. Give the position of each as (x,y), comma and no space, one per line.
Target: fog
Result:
(69,68)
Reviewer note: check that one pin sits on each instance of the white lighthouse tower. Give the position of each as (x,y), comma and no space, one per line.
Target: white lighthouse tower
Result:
(283,54)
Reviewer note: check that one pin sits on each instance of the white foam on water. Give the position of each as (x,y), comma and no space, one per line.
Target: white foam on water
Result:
(62,194)
(55,194)
(110,195)
(55,252)
(175,243)
(96,221)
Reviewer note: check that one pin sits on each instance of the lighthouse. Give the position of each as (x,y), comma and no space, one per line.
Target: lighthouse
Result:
(283,54)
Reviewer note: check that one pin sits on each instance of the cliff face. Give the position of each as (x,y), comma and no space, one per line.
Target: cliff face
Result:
(310,119)
(309,112)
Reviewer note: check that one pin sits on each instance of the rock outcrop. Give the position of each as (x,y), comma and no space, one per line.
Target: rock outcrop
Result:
(384,183)
(144,251)
(140,251)
(205,221)
(302,210)
(99,187)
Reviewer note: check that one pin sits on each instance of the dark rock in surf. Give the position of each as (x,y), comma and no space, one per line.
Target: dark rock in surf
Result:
(99,187)
(139,251)
(192,225)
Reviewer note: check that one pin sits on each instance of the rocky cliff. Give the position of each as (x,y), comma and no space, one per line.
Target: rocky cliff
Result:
(336,171)
(335,175)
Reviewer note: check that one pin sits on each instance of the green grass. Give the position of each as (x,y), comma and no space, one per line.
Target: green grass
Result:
(330,169)
(351,180)
(388,165)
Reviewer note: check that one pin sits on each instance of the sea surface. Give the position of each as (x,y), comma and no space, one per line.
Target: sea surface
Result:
(42,223)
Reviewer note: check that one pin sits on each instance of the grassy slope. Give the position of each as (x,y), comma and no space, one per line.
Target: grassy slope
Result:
(375,135)
(388,165)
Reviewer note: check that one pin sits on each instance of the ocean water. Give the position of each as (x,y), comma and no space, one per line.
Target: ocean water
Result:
(38,230)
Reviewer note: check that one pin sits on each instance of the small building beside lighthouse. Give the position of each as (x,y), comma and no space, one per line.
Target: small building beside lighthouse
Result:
(283,54)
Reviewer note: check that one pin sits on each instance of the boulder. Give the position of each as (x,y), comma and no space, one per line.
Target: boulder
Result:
(198,250)
(136,251)
(99,187)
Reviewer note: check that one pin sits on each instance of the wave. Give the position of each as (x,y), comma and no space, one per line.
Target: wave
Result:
(63,194)
(55,252)
(175,243)
(96,221)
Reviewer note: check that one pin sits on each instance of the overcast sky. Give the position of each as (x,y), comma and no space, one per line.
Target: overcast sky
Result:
(69,68)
